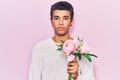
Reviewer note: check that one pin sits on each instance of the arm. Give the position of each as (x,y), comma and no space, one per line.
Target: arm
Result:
(81,70)
(35,66)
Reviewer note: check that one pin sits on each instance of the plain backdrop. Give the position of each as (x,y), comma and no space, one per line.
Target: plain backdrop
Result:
(25,22)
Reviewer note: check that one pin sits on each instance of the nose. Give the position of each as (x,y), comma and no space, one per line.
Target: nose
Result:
(61,22)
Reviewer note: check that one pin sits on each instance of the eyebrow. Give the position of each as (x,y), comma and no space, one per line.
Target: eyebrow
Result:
(66,16)
(63,16)
(55,16)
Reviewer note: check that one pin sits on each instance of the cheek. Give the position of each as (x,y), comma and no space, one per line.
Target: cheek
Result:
(67,26)
(54,26)
(67,23)
(54,23)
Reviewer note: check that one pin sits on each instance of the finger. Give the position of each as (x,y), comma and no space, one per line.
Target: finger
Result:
(73,63)
(72,71)
(71,68)
(70,64)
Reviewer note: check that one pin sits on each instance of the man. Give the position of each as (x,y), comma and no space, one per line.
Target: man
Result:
(48,63)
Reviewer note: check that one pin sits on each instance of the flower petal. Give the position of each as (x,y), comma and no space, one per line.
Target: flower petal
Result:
(70,57)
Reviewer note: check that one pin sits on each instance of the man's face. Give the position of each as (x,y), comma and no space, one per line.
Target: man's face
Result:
(61,21)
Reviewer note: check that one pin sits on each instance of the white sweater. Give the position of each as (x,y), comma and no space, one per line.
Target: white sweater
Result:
(49,64)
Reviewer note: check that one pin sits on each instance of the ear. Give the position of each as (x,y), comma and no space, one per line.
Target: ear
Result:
(51,22)
(71,22)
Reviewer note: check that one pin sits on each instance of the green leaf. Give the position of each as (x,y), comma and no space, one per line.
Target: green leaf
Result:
(87,56)
(62,41)
(59,49)
(91,55)
(74,53)
(79,56)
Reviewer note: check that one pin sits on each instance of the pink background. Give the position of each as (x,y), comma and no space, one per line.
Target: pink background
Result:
(24,22)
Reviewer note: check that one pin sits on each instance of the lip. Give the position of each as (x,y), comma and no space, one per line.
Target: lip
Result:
(60,28)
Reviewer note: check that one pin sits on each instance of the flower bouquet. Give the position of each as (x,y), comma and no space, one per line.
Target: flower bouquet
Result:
(73,49)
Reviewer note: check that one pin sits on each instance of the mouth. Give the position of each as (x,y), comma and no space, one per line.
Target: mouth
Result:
(60,28)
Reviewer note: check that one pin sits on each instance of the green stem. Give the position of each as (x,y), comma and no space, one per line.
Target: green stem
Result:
(69,76)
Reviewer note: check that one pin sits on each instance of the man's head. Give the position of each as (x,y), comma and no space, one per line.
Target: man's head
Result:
(62,5)
(61,17)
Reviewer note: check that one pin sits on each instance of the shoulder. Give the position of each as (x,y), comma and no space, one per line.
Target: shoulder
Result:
(42,43)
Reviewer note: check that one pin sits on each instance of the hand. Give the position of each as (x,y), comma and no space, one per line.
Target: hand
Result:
(73,68)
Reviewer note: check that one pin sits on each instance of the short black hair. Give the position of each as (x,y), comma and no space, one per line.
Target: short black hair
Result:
(62,5)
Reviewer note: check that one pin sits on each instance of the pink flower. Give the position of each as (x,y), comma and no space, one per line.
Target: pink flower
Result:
(84,48)
(69,46)
(70,57)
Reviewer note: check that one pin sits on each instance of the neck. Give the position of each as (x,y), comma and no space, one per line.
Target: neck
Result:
(58,38)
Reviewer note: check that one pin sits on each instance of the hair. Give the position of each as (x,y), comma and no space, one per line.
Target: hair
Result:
(62,5)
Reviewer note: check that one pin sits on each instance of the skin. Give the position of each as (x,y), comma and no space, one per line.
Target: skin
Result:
(61,21)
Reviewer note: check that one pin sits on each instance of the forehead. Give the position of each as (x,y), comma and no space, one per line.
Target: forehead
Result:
(61,13)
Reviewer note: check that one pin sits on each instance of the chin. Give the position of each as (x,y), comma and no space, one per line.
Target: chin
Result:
(61,34)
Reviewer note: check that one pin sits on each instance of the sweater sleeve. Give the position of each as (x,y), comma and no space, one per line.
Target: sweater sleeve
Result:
(36,65)
(86,71)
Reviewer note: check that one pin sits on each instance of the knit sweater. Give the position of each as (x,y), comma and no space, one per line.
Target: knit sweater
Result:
(47,63)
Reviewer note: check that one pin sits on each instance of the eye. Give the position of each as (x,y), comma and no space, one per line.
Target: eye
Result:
(55,18)
(66,18)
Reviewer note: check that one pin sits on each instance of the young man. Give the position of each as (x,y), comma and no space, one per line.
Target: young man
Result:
(48,63)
